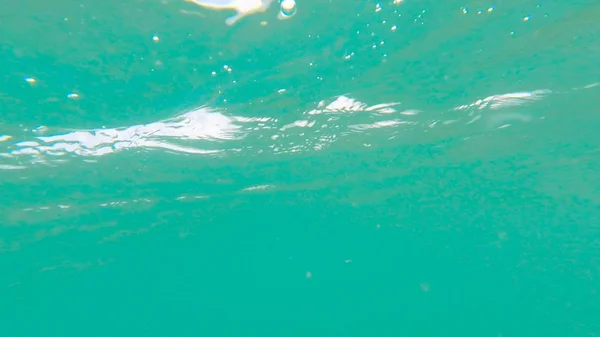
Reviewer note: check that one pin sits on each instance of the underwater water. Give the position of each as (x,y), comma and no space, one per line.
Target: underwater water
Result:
(363,168)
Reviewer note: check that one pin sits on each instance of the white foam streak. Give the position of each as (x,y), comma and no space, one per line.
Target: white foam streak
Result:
(198,124)
(505,100)
(344,104)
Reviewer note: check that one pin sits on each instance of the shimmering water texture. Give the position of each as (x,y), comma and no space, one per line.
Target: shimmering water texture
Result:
(210,131)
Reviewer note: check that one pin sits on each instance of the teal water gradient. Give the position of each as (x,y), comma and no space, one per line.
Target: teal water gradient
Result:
(363,169)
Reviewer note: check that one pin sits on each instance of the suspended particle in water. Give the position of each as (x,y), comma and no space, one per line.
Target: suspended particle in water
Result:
(155,38)
(30,80)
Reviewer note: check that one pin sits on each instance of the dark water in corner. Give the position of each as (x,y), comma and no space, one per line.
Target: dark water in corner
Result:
(423,168)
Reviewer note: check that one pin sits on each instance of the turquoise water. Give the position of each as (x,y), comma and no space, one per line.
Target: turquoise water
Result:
(422,168)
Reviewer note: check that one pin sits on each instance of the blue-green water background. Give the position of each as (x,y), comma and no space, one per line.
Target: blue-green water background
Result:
(260,180)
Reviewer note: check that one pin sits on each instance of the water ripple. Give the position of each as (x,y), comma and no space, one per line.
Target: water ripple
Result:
(209,131)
